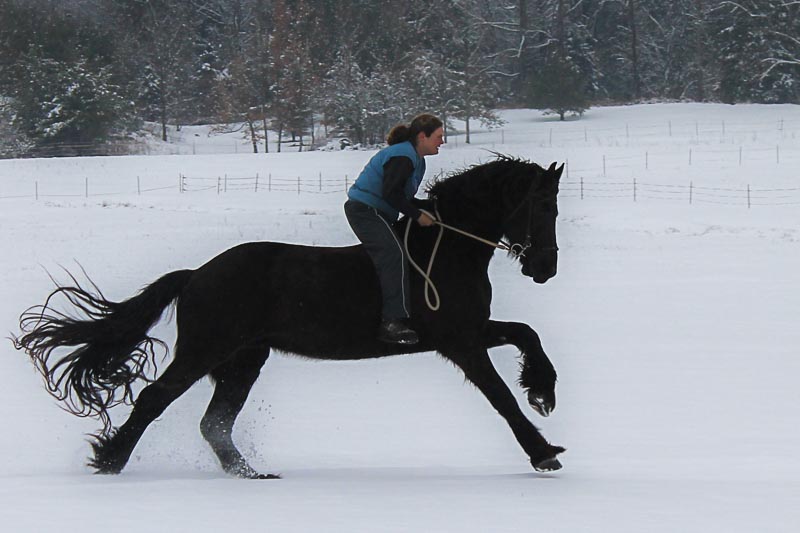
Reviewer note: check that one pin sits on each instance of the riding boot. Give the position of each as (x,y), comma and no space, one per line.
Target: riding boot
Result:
(396,331)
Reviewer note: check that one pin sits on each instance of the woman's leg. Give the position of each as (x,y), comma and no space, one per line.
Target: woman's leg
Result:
(388,255)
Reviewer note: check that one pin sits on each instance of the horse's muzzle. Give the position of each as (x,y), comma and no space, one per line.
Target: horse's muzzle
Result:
(540,275)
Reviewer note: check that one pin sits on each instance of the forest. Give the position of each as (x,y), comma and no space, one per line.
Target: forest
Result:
(81,77)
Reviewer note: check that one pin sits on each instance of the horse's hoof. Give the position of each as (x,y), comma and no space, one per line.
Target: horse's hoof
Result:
(539,405)
(104,468)
(265,476)
(245,472)
(548,465)
(105,471)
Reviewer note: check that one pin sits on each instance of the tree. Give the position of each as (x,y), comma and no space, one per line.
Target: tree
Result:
(67,108)
(453,72)
(158,56)
(238,101)
(13,141)
(562,84)
(293,72)
(559,88)
(57,76)
(760,50)
(637,82)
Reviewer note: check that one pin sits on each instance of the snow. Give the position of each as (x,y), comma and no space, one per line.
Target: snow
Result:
(672,325)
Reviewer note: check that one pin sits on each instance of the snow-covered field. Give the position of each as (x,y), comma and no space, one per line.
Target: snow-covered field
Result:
(673,326)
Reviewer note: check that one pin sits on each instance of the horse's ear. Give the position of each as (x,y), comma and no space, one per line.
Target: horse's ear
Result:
(552,167)
(559,170)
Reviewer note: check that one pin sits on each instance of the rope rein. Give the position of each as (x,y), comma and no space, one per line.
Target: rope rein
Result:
(430,288)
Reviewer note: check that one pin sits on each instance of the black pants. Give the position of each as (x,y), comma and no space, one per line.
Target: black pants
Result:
(388,254)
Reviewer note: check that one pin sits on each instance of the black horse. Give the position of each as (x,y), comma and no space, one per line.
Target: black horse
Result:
(316,302)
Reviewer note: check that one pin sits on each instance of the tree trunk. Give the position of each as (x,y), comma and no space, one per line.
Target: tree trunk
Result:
(163,122)
(522,66)
(700,51)
(266,135)
(253,135)
(561,32)
(467,122)
(637,85)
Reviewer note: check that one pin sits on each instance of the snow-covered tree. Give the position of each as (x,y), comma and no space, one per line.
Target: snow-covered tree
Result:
(68,108)
(563,82)
(454,73)
(293,71)
(759,50)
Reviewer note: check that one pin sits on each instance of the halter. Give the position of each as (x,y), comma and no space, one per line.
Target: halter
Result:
(515,249)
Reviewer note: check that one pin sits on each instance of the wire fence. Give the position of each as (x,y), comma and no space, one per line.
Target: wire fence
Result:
(577,187)
(637,190)
(636,162)
(697,132)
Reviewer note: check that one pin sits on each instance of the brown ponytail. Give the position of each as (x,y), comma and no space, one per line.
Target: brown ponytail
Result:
(422,123)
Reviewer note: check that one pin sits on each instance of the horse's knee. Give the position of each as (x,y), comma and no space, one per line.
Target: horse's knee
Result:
(527,338)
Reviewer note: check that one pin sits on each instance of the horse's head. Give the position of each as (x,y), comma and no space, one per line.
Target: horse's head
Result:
(531,225)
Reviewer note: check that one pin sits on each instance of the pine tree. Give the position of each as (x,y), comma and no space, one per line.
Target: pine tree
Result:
(68,108)
(563,81)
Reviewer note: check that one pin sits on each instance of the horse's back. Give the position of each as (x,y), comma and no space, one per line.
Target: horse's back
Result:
(297,298)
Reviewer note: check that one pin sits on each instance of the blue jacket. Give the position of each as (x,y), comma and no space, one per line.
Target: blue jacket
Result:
(368,188)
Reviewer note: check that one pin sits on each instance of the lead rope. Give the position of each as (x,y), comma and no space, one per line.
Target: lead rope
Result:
(426,275)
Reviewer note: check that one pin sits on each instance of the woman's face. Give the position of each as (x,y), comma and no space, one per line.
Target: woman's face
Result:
(430,145)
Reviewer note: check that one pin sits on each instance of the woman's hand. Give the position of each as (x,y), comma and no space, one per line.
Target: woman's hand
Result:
(426,219)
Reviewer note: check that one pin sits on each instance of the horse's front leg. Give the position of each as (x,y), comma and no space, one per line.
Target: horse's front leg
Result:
(537,374)
(479,370)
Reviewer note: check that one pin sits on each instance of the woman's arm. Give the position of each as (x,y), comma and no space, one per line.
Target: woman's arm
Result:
(396,173)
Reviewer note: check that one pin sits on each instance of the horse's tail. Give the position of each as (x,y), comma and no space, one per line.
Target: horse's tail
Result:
(109,341)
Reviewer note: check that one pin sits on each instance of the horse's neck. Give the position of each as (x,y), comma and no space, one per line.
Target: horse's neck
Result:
(478,216)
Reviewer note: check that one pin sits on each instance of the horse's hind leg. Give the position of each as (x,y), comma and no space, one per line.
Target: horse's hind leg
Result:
(478,369)
(234,379)
(111,452)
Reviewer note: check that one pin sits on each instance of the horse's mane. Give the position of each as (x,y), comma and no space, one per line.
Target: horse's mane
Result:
(501,165)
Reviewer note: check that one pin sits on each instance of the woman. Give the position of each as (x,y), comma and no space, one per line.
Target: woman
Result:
(383,190)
